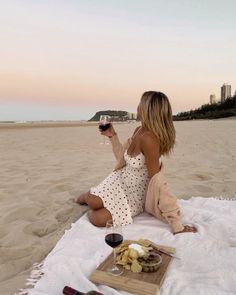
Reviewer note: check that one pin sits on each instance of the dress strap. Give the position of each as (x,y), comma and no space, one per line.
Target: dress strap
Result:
(136,132)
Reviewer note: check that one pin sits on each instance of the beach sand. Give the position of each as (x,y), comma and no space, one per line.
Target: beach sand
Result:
(43,169)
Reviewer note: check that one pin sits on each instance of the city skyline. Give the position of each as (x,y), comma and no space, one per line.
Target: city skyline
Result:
(225,92)
(68,59)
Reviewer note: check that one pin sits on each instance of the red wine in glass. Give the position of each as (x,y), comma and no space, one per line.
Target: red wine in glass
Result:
(104,124)
(104,127)
(114,240)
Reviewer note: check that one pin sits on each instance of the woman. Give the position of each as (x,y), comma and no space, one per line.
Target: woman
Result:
(136,177)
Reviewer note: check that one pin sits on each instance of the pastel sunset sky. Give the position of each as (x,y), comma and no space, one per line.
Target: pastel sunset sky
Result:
(67,59)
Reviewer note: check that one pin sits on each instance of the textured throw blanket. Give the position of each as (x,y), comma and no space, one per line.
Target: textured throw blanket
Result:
(208,258)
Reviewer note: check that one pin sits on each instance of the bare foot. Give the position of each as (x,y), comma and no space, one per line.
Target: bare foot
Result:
(187,229)
(81,200)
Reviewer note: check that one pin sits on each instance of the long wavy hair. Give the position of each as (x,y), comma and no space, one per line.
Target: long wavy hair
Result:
(155,113)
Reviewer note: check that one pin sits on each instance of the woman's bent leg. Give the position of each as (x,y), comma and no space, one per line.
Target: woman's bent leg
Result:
(99,217)
(94,202)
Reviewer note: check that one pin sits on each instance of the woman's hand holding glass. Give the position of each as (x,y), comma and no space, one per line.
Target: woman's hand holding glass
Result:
(110,132)
(105,127)
(104,124)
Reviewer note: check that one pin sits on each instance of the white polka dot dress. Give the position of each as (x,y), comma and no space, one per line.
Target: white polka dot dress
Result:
(123,191)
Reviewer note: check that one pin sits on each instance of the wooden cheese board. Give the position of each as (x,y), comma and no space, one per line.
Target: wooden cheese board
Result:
(135,283)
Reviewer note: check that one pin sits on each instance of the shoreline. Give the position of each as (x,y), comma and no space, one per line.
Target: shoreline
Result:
(54,124)
(46,124)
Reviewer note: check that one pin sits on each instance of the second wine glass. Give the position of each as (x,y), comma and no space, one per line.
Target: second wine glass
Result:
(114,238)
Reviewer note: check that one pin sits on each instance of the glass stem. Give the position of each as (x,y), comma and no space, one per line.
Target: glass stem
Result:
(114,257)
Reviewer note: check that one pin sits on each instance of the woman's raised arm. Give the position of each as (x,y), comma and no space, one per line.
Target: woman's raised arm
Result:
(117,147)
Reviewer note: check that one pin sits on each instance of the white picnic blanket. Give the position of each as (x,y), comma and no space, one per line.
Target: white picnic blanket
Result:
(208,258)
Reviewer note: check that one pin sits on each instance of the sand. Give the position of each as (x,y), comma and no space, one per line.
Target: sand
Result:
(43,169)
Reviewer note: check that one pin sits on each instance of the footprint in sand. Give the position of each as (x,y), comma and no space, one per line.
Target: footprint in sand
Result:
(3,232)
(63,215)
(7,253)
(41,228)
(24,213)
(63,187)
(198,176)
(202,188)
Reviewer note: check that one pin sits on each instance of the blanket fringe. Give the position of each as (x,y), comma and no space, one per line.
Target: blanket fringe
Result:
(225,199)
(35,275)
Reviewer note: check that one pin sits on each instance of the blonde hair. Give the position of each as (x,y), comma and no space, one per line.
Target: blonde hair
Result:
(156,115)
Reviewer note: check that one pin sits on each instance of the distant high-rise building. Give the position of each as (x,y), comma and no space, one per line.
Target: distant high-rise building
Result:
(212,99)
(225,92)
(132,116)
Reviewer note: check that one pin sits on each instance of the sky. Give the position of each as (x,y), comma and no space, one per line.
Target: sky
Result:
(65,60)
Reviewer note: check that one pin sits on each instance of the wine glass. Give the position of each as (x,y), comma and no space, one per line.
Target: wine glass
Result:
(114,238)
(104,124)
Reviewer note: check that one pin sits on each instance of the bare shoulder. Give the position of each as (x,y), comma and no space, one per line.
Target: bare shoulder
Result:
(149,141)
